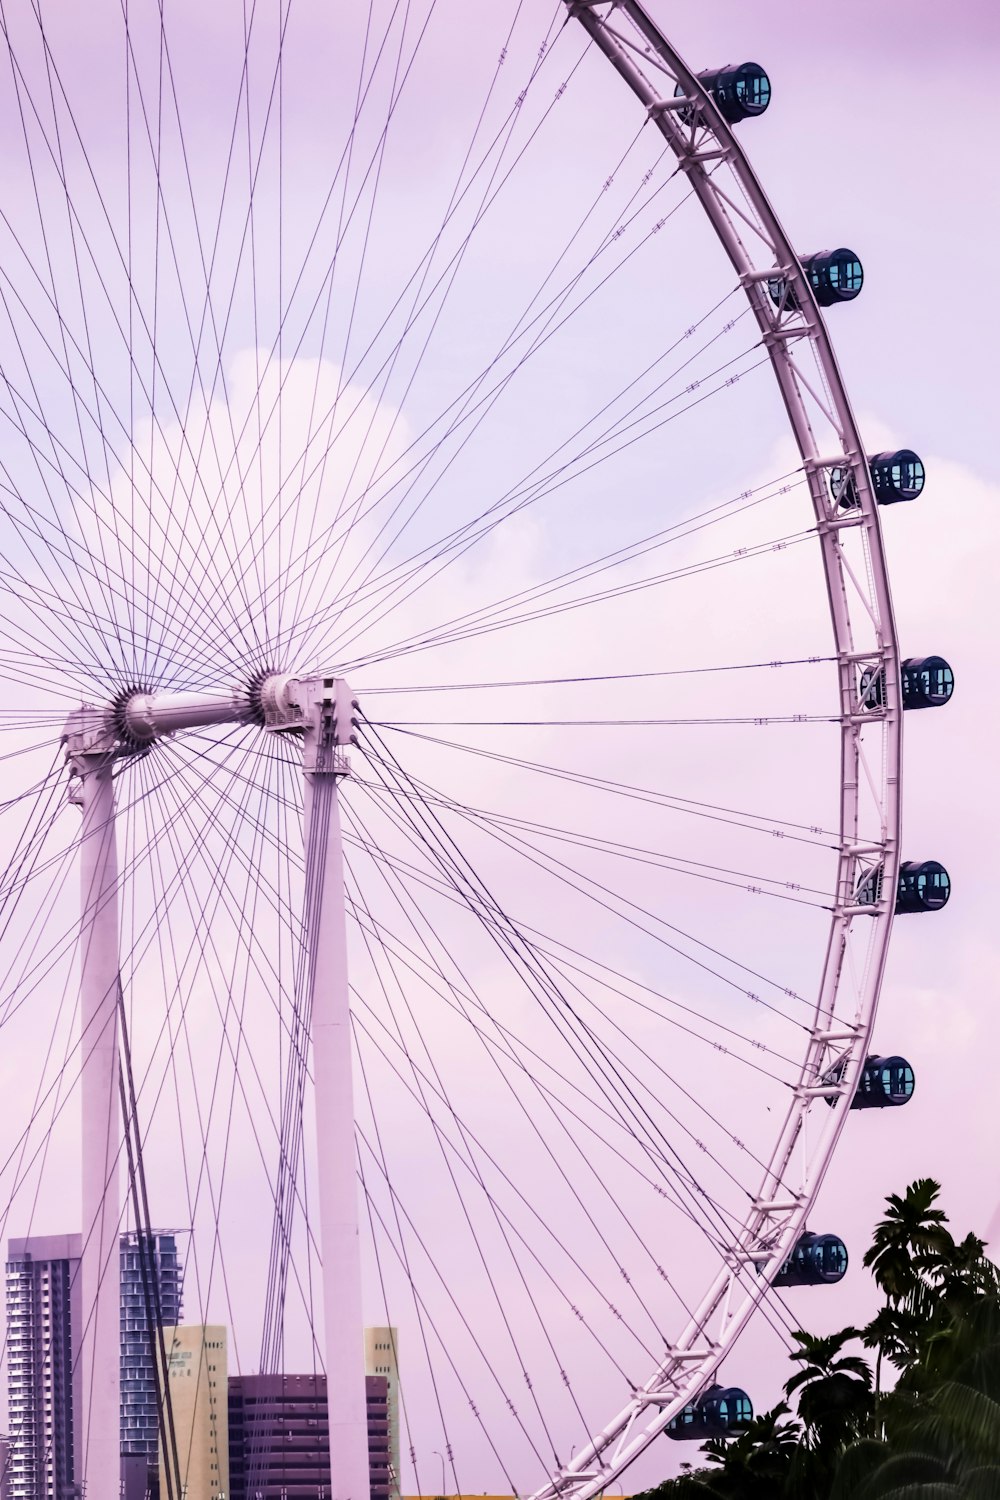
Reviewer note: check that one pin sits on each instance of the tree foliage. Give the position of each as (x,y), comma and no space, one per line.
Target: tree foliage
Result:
(930,1431)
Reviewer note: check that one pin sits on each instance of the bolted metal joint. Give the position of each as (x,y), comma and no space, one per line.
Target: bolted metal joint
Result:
(321,709)
(91,744)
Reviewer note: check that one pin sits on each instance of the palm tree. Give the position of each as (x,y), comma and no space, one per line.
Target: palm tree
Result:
(755,1465)
(835,1390)
(911,1231)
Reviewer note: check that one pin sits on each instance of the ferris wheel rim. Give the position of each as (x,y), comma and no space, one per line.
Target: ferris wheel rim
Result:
(625,1436)
(692,1360)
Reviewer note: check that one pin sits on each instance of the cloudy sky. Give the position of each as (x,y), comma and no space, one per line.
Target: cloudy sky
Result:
(407,356)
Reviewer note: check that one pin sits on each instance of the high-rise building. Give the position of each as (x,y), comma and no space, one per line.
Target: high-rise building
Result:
(197,1450)
(382,1358)
(150,1272)
(279,1437)
(44,1325)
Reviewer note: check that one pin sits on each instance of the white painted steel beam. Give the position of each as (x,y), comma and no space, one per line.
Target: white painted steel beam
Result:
(97,1430)
(631,41)
(320,709)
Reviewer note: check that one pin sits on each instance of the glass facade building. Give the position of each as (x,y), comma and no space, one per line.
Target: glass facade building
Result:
(44,1323)
(140,1288)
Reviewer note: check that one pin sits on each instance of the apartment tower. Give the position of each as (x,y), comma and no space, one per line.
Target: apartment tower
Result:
(44,1324)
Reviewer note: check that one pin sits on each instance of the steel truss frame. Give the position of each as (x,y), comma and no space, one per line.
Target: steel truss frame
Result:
(821,419)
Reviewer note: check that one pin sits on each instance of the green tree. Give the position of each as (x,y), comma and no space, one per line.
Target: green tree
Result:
(934,1435)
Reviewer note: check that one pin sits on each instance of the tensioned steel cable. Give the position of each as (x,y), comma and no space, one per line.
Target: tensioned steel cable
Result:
(400,990)
(460,1000)
(600,1055)
(567,872)
(543,53)
(605,1015)
(777,1312)
(464,538)
(583,1044)
(463,996)
(640,794)
(556,950)
(523,828)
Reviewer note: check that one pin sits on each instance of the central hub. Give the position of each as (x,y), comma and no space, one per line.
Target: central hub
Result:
(321,708)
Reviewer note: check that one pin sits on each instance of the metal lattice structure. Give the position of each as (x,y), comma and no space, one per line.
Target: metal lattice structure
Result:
(820,416)
(212,743)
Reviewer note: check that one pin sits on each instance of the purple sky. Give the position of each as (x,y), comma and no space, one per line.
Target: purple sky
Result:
(875,139)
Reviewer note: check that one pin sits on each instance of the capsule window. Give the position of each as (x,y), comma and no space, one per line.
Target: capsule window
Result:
(923,886)
(928,682)
(816,1260)
(834,275)
(840,274)
(827,1257)
(752,89)
(897,476)
(896,1078)
(685,1418)
(738,1410)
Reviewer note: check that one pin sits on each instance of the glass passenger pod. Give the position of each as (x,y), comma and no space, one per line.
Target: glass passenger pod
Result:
(721,1411)
(816,1260)
(896,476)
(923,886)
(885,1083)
(834,275)
(741,93)
(926,682)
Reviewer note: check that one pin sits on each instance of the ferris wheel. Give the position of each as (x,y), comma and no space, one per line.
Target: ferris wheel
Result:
(442,560)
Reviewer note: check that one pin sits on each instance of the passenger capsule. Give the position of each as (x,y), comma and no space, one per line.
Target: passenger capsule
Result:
(895,476)
(816,1260)
(740,93)
(834,275)
(885,1083)
(721,1411)
(926,682)
(923,886)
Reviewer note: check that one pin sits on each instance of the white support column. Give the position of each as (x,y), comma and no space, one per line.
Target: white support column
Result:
(325,705)
(97,1424)
(320,709)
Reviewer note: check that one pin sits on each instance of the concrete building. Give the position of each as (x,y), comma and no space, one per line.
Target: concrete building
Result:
(382,1358)
(44,1323)
(140,1479)
(197,1373)
(279,1437)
